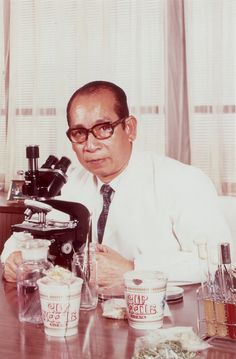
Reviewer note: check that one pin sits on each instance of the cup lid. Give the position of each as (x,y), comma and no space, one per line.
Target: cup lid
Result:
(140,276)
(33,248)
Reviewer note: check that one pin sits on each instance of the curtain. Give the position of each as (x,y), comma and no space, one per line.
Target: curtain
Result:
(58,45)
(211,74)
(177,111)
(4,76)
(174,58)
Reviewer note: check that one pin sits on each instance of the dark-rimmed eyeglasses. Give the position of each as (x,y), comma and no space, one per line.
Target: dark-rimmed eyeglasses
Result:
(101,131)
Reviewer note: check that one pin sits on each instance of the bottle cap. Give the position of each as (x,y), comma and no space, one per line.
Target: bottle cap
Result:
(224,253)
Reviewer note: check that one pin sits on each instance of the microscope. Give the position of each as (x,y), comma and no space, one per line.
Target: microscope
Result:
(40,187)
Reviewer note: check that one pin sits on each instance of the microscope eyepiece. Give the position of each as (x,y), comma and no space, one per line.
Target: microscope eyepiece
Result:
(63,164)
(32,151)
(60,177)
(48,180)
(50,161)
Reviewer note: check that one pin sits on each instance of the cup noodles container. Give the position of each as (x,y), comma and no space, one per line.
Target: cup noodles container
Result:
(60,303)
(145,293)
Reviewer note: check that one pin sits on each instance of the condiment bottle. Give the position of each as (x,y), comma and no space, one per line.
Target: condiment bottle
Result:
(206,292)
(228,284)
(222,287)
(35,263)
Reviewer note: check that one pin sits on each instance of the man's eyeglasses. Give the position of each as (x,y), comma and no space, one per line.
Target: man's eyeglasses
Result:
(101,131)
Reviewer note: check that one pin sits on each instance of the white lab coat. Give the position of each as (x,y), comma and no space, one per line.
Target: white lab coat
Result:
(160,208)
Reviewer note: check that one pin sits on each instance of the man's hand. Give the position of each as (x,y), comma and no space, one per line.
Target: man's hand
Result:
(111,266)
(10,267)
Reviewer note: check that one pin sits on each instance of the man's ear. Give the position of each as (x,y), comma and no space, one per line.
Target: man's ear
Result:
(131,128)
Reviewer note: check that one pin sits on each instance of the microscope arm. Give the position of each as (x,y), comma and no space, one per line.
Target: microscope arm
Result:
(33,206)
(76,211)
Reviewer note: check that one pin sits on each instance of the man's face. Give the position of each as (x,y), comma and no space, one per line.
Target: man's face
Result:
(104,158)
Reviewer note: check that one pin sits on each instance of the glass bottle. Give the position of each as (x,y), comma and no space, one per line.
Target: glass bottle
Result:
(33,267)
(206,289)
(223,286)
(227,283)
(84,265)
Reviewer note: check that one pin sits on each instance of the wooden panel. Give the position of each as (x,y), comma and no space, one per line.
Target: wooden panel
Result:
(6,221)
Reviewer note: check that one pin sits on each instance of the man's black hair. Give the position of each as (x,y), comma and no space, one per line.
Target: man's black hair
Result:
(121,106)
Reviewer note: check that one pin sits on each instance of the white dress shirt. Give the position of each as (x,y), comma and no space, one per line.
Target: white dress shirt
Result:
(160,208)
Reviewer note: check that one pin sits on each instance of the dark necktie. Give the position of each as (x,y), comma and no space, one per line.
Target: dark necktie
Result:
(106,192)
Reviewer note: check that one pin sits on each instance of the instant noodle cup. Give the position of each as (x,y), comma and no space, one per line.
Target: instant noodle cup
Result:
(60,293)
(145,295)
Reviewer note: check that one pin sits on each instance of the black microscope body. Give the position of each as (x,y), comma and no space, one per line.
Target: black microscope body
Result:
(40,187)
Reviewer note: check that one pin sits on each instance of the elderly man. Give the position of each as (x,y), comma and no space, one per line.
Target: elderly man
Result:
(149,210)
